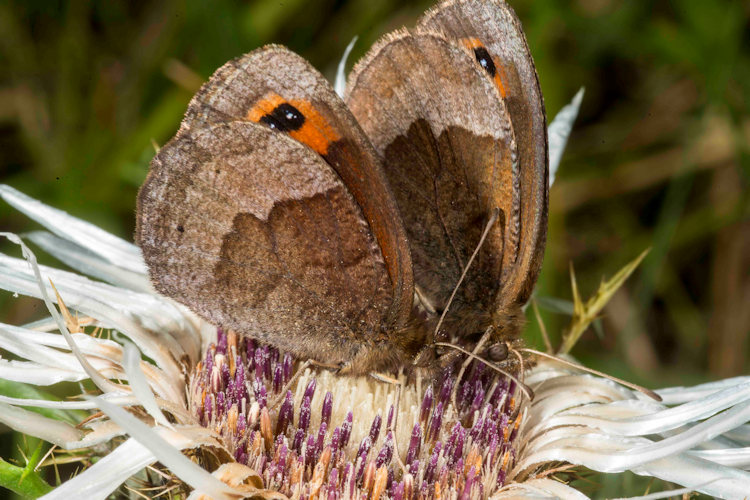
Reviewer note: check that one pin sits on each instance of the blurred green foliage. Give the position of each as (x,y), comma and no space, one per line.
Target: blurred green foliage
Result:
(659,156)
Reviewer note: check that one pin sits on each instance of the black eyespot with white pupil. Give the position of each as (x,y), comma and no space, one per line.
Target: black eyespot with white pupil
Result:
(485,60)
(284,118)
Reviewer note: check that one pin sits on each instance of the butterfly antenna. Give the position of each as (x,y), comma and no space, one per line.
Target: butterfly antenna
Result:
(520,359)
(647,392)
(490,223)
(465,365)
(525,388)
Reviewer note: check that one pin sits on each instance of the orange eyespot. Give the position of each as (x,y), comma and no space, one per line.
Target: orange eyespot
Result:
(296,117)
(488,63)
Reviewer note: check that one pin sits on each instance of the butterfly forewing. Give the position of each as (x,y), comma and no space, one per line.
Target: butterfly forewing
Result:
(449,153)
(491,30)
(278,88)
(269,214)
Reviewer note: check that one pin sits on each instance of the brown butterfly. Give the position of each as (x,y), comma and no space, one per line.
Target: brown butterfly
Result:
(338,230)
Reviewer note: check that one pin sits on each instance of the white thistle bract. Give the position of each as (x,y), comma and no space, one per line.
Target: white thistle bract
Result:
(228,418)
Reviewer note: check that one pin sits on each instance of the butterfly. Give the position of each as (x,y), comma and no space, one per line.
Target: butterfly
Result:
(347,230)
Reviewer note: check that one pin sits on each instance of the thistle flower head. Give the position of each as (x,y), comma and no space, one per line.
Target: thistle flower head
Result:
(337,437)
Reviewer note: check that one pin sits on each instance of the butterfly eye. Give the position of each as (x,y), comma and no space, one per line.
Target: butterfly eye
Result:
(284,118)
(498,351)
(485,60)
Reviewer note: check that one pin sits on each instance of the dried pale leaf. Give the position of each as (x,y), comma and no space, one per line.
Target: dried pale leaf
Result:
(340,83)
(583,426)
(166,452)
(109,247)
(242,478)
(23,343)
(160,329)
(559,131)
(139,385)
(647,418)
(538,489)
(106,475)
(33,424)
(88,263)
(676,395)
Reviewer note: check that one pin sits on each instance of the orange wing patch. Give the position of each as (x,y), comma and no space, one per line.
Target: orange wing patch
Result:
(296,117)
(489,63)
(264,107)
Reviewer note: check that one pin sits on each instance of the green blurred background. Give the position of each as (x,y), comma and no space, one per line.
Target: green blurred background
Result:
(659,156)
